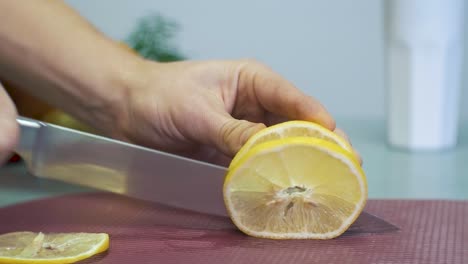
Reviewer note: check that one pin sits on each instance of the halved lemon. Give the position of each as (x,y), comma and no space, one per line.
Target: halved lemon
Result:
(295,188)
(295,128)
(54,248)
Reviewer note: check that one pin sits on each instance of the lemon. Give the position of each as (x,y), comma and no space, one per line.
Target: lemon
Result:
(295,128)
(295,188)
(53,248)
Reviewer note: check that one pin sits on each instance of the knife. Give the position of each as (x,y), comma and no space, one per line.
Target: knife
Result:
(76,157)
(59,153)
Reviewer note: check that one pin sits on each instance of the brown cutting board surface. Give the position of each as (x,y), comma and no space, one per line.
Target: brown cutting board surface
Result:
(142,232)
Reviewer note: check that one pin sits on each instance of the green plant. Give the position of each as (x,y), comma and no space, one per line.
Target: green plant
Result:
(153,38)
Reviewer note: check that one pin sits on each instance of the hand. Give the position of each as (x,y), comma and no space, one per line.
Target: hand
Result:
(199,109)
(8,127)
(190,108)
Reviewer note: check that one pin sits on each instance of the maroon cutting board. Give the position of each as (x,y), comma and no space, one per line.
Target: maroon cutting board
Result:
(142,232)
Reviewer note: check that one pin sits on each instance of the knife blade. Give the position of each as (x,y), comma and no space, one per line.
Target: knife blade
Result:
(76,157)
(59,153)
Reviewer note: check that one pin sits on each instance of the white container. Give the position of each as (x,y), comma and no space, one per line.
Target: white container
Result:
(423,75)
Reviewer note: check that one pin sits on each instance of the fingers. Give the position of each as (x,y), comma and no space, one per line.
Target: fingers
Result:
(8,127)
(234,133)
(229,135)
(279,96)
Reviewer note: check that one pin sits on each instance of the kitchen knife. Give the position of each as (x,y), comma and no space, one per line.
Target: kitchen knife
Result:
(64,154)
(60,153)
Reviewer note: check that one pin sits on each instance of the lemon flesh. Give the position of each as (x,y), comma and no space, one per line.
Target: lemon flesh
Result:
(31,247)
(295,188)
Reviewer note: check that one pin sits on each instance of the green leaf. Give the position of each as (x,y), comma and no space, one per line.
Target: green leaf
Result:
(153,38)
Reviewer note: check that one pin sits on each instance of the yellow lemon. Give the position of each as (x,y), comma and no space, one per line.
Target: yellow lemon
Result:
(295,188)
(54,248)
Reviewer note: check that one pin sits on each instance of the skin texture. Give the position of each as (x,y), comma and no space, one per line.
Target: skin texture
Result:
(201,109)
(8,128)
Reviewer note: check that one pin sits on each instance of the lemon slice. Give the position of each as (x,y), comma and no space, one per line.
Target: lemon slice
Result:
(295,188)
(288,129)
(54,248)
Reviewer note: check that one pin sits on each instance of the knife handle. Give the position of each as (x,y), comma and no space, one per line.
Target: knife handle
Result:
(29,130)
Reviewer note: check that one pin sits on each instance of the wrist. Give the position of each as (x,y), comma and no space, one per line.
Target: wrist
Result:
(124,74)
(137,102)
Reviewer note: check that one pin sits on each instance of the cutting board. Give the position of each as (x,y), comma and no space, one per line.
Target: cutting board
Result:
(143,232)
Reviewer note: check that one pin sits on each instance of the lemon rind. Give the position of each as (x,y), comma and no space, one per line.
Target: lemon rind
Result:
(294,123)
(98,248)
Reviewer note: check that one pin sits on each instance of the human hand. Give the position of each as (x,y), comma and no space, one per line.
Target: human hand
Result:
(190,108)
(208,110)
(9,130)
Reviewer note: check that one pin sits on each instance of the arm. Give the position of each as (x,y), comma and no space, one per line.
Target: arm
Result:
(50,50)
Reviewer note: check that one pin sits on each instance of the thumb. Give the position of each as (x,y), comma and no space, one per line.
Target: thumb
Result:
(233,133)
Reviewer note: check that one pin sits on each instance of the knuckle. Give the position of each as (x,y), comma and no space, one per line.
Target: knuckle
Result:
(226,137)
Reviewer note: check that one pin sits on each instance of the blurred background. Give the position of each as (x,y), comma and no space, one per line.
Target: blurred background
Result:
(331,49)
